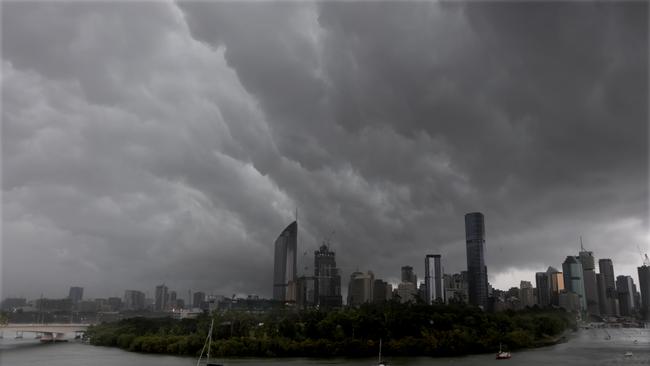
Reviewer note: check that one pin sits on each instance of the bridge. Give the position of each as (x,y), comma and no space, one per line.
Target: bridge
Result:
(49,332)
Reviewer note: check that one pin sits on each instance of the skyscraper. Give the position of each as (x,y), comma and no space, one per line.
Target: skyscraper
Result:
(198,301)
(526,294)
(556,283)
(589,278)
(610,296)
(476,269)
(433,279)
(573,280)
(409,276)
(76,294)
(644,288)
(284,269)
(328,279)
(162,297)
(543,289)
(360,288)
(133,300)
(625,289)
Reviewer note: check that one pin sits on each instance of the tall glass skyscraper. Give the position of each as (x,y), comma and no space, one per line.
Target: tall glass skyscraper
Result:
(284,269)
(476,269)
(644,287)
(573,279)
(589,278)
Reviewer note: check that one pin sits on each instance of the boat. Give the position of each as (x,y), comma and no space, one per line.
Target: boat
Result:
(628,354)
(207,344)
(503,355)
(379,361)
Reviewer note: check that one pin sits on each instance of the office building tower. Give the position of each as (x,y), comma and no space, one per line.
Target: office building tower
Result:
(625,289)
(306,292)
(134,300)
(161,299)
(556,283)
(570,301)
(434,286)
(543,289)
(573,280)
(409,276)
(284,269)
(407,292)
(644,287)
(198,300)
(526,294)
(606,268)
(360,288)
(476,269)
(328,279)
(76,294)
(589,278)
(602,295)
(381,291)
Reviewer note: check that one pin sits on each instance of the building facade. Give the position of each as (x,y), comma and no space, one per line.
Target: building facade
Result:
(476,269)
(589,278)
(543,287)
(360,288)
(76,294)
(644,288)
(328,280)
(573,280)
(134,300)
(161,299)
(284,268)
(434,286)
(625,289)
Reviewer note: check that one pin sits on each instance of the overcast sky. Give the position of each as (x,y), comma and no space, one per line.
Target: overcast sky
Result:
(169,142)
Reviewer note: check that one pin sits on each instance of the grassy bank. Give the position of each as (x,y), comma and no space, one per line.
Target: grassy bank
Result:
(407,330)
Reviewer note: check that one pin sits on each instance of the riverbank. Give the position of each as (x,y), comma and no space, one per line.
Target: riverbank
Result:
(407,330)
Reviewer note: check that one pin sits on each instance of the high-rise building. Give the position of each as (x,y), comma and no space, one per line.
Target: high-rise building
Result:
(162,297)
(198,300)
(360,288)
(543,286)
(589,278)
(76,294)
(409,276)
(133,300)
(433,279)
(526,294)
(476,269)
(381,291)
(610,296)
(284,269)
(456,287)
(556,283)
(328,279)
(625,289)
(644,287)
(573,280)
(306,291)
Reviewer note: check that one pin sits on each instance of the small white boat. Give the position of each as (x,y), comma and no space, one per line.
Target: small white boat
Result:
(379,361)
(628,354)
(207,344)
(503,355)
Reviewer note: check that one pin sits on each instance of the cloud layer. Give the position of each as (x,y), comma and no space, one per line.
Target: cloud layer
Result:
(171,142)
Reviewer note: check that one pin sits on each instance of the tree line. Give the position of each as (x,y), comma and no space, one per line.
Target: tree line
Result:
(406,330)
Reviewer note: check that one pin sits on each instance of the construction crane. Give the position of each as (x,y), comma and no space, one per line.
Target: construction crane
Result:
(644,257)
(328,239)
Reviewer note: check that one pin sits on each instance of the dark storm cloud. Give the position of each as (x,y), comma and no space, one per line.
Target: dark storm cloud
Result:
(157,142)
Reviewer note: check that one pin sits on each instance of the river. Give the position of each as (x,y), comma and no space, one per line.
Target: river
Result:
(586,347)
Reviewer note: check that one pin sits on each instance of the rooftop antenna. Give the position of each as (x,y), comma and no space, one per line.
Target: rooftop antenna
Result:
(296,214)
(582,248)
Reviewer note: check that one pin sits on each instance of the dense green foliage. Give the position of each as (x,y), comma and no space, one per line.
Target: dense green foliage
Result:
(407,329)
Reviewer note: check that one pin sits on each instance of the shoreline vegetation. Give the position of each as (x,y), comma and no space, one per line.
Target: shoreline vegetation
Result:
(406,330)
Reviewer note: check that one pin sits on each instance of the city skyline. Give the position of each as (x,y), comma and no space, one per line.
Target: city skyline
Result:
(174,150)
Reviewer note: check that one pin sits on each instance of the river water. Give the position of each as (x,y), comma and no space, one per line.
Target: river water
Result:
(586,347)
